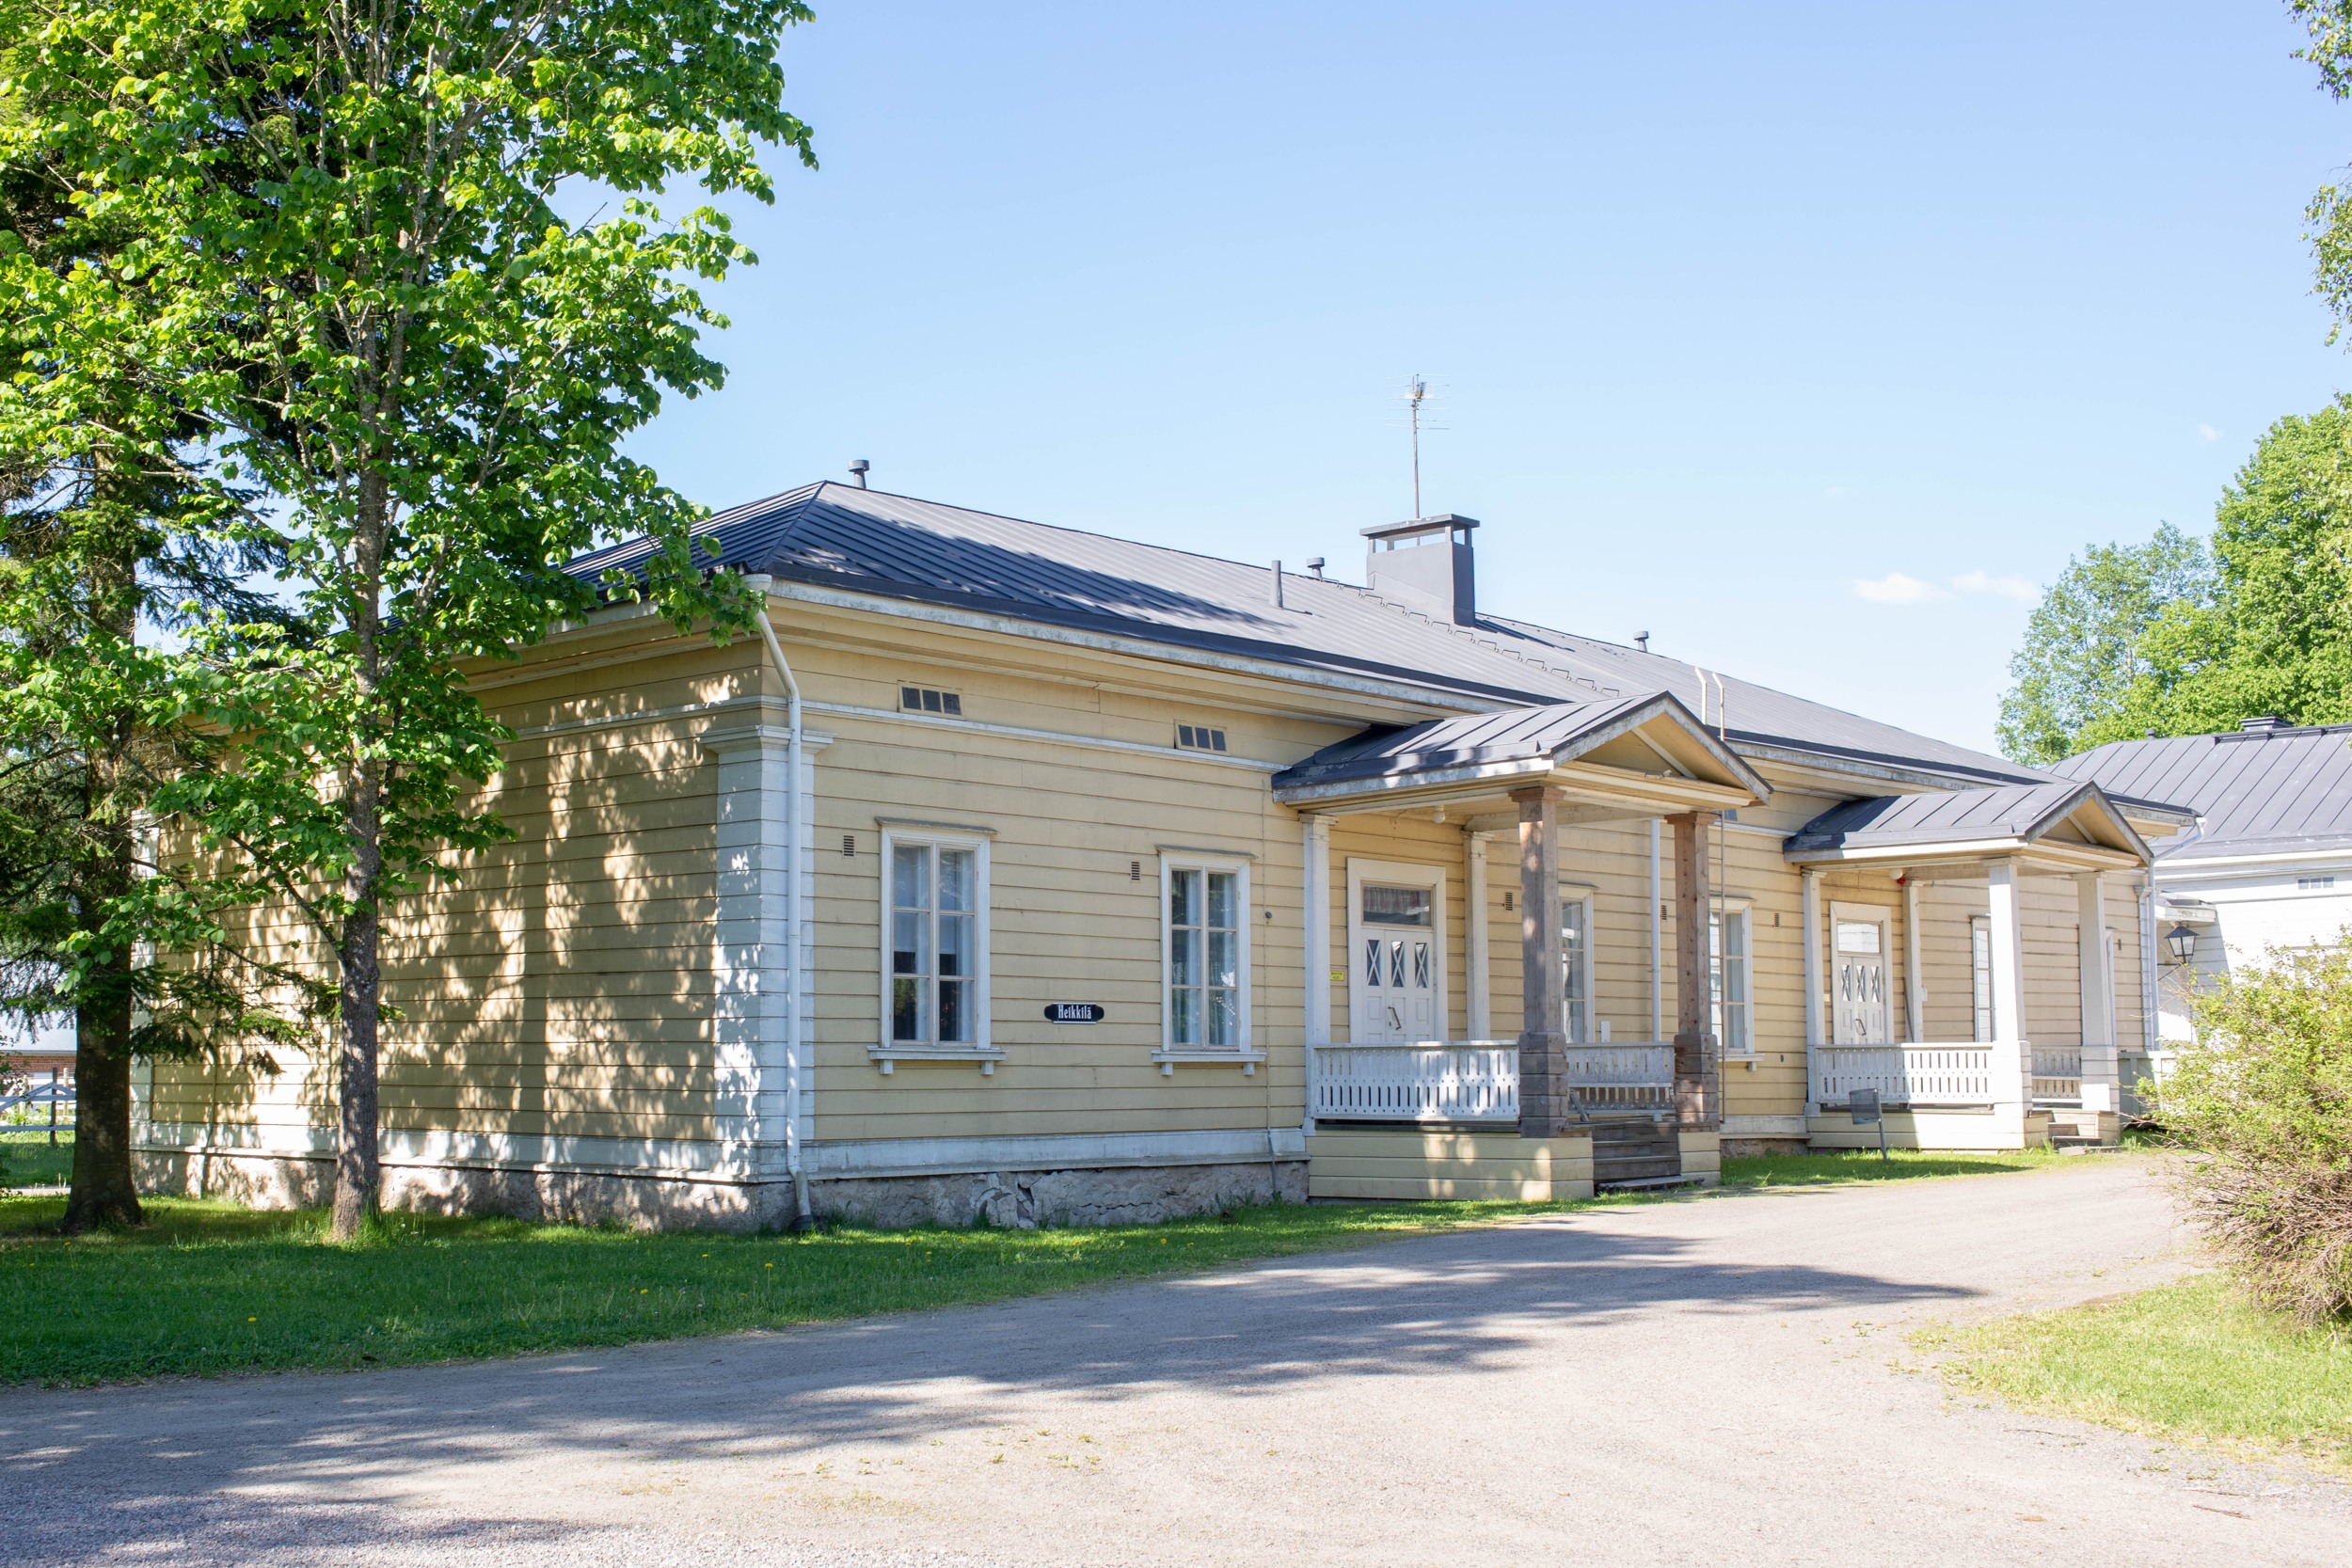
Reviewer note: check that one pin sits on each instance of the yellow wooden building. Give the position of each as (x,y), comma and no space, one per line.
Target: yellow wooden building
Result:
(1031,873)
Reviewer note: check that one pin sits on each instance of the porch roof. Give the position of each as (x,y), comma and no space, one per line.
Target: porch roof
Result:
(2073,826)
(1645,746)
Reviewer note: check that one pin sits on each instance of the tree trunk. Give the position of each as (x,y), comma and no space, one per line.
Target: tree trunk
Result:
(358,1167)
(106,1191)
(104,1188)
(357,1162)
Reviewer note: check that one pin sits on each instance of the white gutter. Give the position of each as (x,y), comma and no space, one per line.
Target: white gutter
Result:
(803,1219)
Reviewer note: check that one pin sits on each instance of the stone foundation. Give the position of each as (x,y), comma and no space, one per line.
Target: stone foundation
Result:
(1751,1149)
(1021,1200)
(1139,1194)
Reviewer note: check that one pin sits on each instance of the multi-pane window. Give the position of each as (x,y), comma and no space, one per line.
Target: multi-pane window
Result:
(935,901)
(1728,979)
(1576,965)
(1206,1001)
(1980,969)
(923,699)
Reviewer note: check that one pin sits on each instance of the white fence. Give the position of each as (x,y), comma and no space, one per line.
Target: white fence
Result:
(1479,1080)
(2057,1074)
(1635,1077)
(1921,1075)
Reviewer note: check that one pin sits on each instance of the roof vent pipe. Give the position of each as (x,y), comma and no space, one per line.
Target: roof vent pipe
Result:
(2266,722)
(1277,585)
(1641,641)
(858,467)
(1314,564)
(1425,564)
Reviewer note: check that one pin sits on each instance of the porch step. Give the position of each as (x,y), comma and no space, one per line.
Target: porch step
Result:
(1634,1153)
(1649,1183)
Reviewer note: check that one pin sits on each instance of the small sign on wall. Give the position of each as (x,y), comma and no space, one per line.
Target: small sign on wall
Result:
(1073,1012)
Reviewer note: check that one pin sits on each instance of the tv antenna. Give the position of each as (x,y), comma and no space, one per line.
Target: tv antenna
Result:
(1416,393)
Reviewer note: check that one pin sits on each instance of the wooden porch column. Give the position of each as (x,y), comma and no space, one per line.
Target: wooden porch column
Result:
(1695,1036)
(2102,1069)
(2013,1053)
(1476,984)
(1915,983)
(1315,945)
(1809,880)
(1544,1106)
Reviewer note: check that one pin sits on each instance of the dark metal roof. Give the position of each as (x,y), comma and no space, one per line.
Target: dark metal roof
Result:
(896,545)
(1527,735)
(1928,821)
(2256,791)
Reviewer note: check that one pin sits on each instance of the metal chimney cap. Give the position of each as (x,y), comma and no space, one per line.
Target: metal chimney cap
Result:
(1443,522)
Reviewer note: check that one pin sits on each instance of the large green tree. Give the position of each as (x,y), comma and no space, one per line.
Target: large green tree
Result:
(111,530)
(2084,675)
(365,274)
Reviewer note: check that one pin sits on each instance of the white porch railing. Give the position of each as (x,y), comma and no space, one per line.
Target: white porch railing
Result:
(2057,1074)
(1479,1080)
(1475,1080)
(1924,1075)
(1635,1077)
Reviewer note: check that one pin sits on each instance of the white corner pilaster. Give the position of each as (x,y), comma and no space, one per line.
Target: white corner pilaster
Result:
(754,1004)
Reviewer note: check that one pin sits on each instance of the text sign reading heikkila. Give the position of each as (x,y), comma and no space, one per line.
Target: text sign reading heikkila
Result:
(1073,1012)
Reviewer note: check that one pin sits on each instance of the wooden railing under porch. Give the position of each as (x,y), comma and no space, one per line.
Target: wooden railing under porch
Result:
(1478,1081)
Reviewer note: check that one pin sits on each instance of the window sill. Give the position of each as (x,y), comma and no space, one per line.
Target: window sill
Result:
(886,1056)
(1169,1055)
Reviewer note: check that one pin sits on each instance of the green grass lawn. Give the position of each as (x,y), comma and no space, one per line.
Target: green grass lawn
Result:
(2193,1360)
(26,1159)
(1833,1166)
(209,1288)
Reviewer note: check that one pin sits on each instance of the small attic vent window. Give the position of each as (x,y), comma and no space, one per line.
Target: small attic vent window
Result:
(1198,737)
(2313,884)
(922,698)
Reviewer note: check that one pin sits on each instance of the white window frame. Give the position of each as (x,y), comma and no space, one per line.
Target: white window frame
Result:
(1719,917)
(1400,874)
(1982,1026)
(1580,1030)
(1245,1050)
(980,1049)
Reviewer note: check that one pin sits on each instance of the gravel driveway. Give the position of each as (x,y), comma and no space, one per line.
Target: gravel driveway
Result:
(1721,1380)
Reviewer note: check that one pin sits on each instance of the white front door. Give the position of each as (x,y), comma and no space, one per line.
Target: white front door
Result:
(1394,987)
(1858,983)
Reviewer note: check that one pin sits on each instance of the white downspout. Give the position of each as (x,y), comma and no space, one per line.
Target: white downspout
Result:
(803,1219)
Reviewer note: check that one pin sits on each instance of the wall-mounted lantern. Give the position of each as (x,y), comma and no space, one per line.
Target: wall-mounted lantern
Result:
(2183,941)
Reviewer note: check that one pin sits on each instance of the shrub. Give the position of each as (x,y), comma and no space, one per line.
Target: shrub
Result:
(2264,1101)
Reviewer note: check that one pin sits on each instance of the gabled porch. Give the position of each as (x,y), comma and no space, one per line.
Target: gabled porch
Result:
(2006,1084)
(1458,1111)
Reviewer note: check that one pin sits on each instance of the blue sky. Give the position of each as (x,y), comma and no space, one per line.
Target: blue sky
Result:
(1806,337)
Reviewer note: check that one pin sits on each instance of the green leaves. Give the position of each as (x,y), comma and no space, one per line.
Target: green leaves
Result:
(2265,1097)
(2084,675)
(2178,638)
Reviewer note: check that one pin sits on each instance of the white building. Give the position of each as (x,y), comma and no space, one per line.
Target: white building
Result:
(2268,865)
